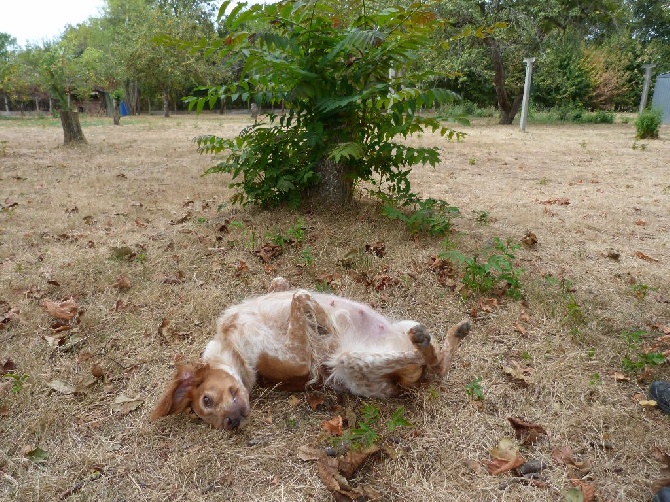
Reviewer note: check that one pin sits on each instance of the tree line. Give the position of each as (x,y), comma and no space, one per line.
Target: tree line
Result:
(151,53)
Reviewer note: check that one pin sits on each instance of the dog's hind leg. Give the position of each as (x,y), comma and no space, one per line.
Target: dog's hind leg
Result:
(454,336)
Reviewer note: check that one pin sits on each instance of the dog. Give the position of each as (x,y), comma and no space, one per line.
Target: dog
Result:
(296,339)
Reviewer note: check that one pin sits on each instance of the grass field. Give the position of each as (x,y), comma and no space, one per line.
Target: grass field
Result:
(149,252)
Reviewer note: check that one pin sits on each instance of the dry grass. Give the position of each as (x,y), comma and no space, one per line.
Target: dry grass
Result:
(67,209)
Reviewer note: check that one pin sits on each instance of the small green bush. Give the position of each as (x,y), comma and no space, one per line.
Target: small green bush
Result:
(647,124)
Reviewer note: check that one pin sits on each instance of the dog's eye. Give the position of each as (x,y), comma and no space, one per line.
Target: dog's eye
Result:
(233,392)
(207,401)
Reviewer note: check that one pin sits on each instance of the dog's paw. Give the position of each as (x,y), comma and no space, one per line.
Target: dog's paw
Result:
(419,335)
(462,329)
(279,284)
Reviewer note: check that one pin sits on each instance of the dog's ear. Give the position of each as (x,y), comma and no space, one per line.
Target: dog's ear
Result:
(178,395)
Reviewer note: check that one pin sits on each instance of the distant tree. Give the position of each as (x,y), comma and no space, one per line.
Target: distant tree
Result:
(7,54)
(343,112)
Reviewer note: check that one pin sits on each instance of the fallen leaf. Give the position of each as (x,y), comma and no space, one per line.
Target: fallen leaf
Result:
(307,453)
(505,457)
(529,240)
(294,400)
(7,367)
(519,329)
(122,283)
(62,387)
(377,249)
(561,201)
(183,219)
(85,383)
(334,474)
(475,466)
(641,223)
(124,404)
(612,254)
(620,377)
(333,426)
(526,432)
(521,375)
(36,454)
(314,399)
(268,252)
(664,459)
(648,403)
(587,489)
(645,257)
(65,310)
(97,371)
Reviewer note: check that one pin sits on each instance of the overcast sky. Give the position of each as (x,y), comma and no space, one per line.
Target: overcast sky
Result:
(38,20)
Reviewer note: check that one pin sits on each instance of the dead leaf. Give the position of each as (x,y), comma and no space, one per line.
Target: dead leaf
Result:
(588,490)
(294,400)
(122,283)
(184,218)
(7,367)
(268,252)
(526,432)
(334,474)
(520,375)
(620,377)
(377,249)
(65,310)
(646,257)
(641,223)
(333,426)
(612,254)
(647,403)
(561,201)
(85,383)
(97,371)
(529,240)
(475,466)
(663,458)
(519,329)
(314,399)
(62,387)
(307,453)
(124,404)
(505,457)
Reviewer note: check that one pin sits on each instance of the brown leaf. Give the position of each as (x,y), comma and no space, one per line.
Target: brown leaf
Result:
(520,375)
(352,461)
(333,473)
(519,329)
(268,252)
(122,283)
(377,249)
(65,310)
(294,400)
(560,201)
(314,399)
(307,453)
(62,387)
(182,219)
(124,404)
(505,457)
(587,489)
(529,240)
(97,371)
(333,426)
(562,455)
(7,367)
(526,432)
(645,257)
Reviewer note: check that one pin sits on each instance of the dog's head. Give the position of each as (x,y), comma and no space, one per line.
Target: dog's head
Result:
(216,396)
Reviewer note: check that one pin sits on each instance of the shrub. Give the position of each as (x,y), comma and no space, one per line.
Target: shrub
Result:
(648,123)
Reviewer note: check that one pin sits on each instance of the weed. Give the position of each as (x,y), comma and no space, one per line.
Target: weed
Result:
(526,356)
(472,161)
(633,337)
(201,220)
(591,353)
(3,147)
(323,287)
(595,379)
(482,217)
(420,215)
(498,269)
(544,180)
(294,234)
(641,290)
(583,144)
(638,363)
(364,433)
(648,123)
(641,146)
(306,257)
(474,389)
(17,379)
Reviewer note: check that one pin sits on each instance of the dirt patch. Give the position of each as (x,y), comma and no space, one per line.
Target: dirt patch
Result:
(147,252)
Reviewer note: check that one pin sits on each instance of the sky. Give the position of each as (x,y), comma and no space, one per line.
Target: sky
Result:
(39,20)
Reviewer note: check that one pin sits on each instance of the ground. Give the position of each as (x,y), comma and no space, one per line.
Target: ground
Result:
(150,252)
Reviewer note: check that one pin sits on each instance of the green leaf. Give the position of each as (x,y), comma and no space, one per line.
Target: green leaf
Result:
(37,455)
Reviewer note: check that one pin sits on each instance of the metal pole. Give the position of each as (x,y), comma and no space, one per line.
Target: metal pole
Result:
(526,92)
(647,84)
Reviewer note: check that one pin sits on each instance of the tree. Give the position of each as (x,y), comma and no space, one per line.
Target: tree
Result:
(343,112)
(7,54)
(528,28)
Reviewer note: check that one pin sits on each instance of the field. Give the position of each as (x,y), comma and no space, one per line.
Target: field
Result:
(148,252)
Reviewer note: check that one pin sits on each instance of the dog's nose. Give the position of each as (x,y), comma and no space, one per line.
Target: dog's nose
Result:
(232,422)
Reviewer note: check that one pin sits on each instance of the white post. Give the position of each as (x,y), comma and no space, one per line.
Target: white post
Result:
(647,84)
(526,92)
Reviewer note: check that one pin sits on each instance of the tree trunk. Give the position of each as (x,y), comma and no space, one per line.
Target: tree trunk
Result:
(71,128)
(507,110)
(335,189)
(51,105)
(6,103)
(117,113)
(133,97)
(37,104)
(166,103)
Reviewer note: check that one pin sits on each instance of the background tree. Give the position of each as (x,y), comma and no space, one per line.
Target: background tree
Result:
(343,112)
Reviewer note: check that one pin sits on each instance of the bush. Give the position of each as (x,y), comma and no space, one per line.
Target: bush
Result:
(648,123)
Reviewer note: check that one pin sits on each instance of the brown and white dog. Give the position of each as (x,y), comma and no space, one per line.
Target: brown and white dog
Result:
(296,339)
